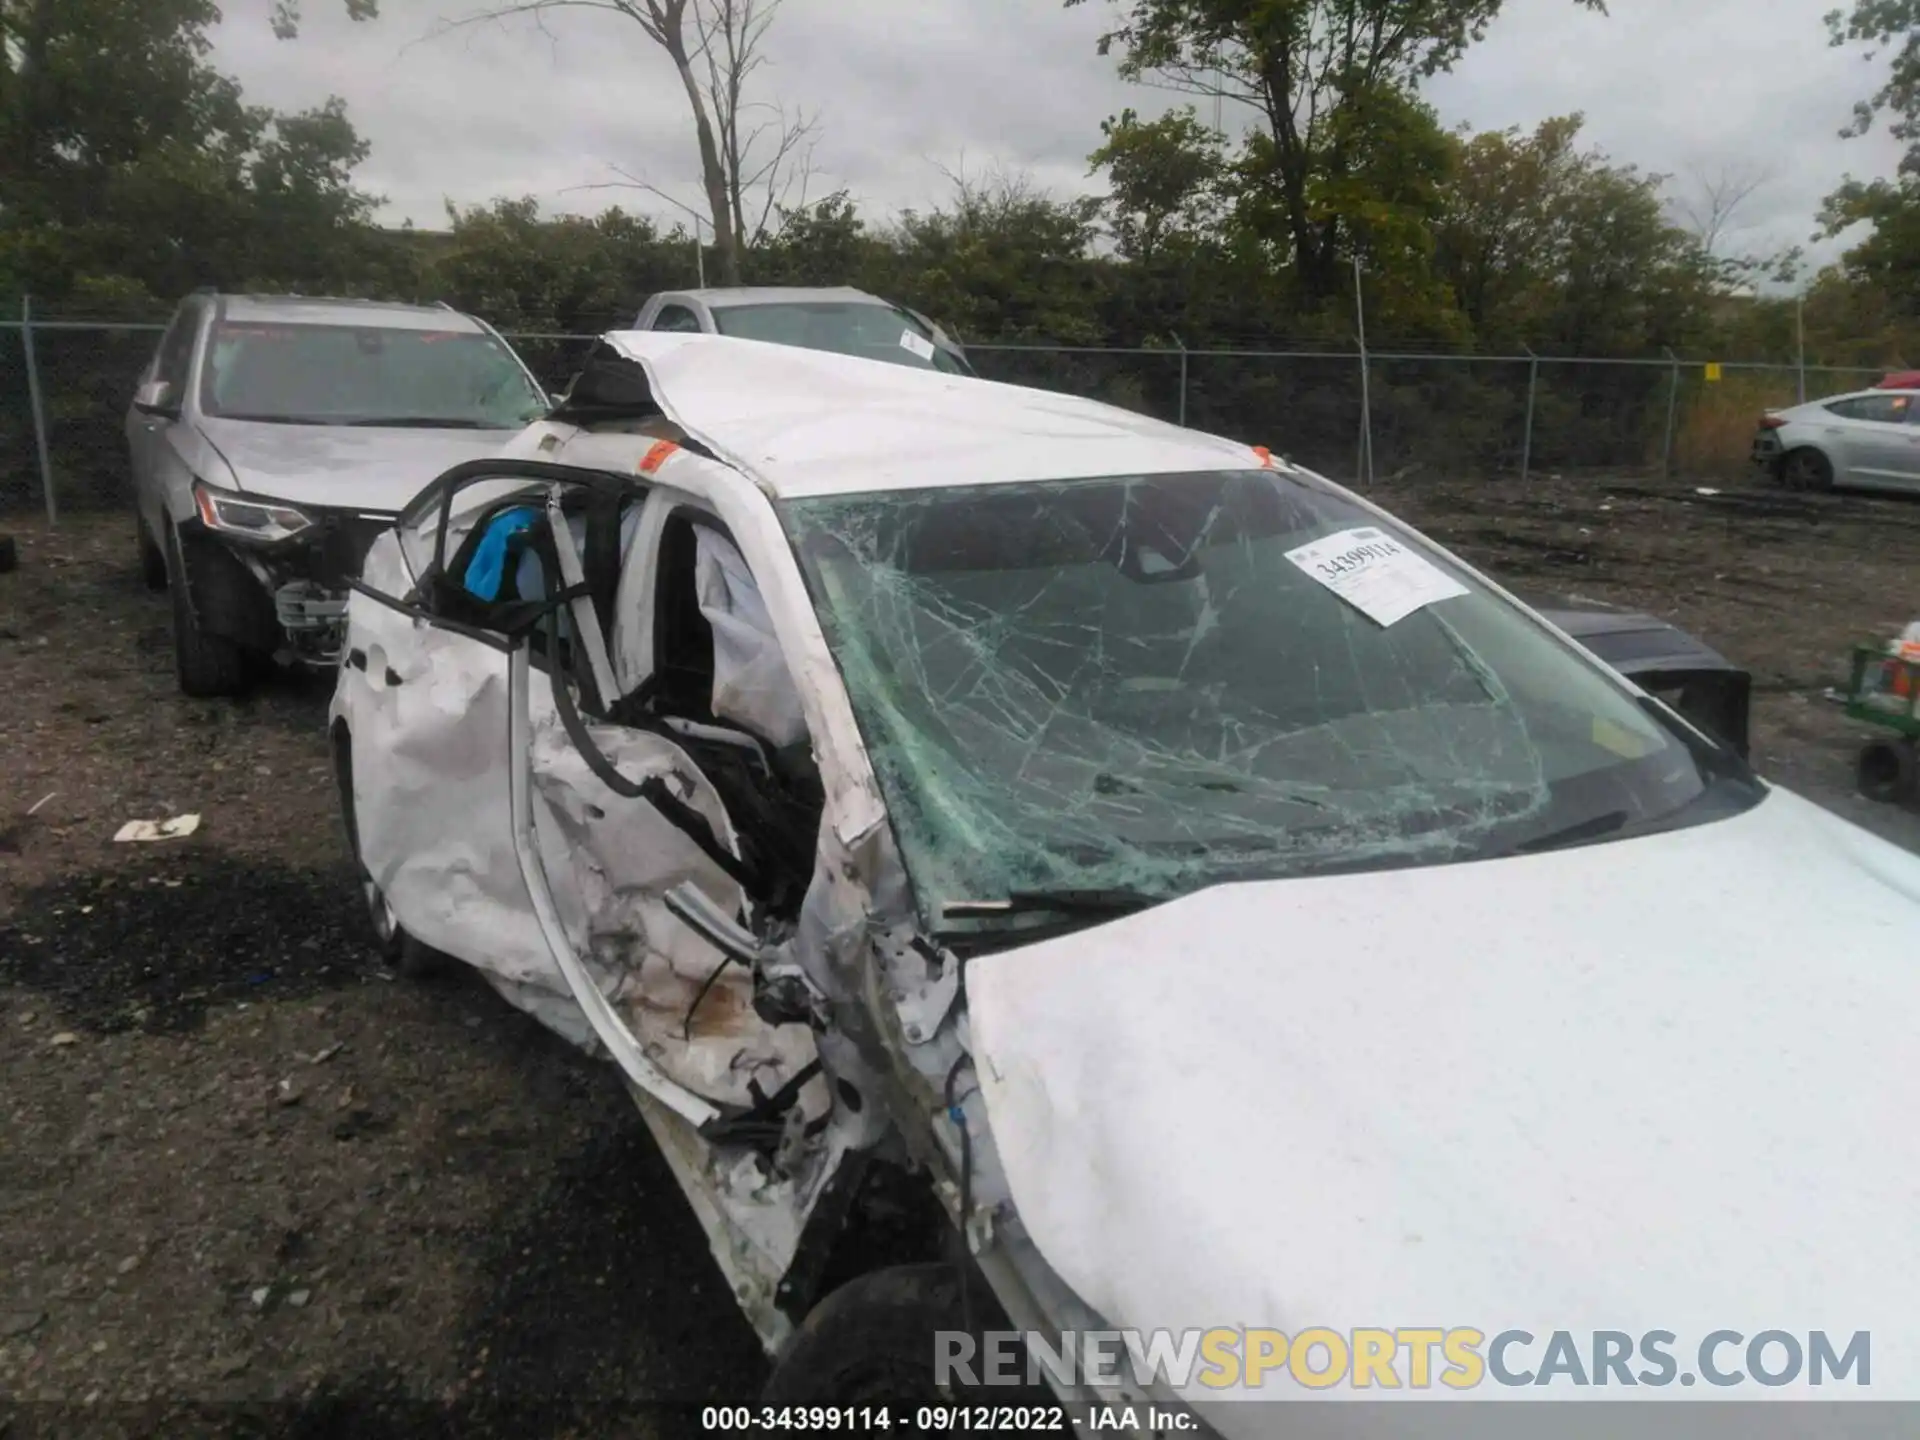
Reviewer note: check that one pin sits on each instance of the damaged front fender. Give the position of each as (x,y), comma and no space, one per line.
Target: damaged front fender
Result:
(230,591)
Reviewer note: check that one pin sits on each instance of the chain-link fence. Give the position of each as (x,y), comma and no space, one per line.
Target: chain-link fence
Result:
(66,383)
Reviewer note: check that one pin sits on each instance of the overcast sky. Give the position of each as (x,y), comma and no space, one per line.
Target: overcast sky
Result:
(904,88)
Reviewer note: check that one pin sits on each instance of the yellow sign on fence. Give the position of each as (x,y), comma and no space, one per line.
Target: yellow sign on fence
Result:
(1713,370)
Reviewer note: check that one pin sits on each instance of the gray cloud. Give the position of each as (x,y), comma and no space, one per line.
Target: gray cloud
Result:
(905,87)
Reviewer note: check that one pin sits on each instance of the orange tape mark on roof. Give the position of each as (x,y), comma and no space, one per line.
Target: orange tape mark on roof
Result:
(656,456)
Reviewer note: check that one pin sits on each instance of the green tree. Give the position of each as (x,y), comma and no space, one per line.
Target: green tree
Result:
(129,166)
(286,15)
(571,274)
(1546,243)
(1886,25)
(825,243)
(1887,259)
(1325,82)
(1165,181)
(1002,260)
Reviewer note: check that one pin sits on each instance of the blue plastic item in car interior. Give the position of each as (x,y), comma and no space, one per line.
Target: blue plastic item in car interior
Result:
(489,564)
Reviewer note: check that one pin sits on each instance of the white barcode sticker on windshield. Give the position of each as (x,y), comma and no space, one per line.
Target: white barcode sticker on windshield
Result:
(918,344)
(1376,574)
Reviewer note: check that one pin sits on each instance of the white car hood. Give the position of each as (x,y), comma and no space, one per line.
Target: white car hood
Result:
(1662,1083)
(341,466)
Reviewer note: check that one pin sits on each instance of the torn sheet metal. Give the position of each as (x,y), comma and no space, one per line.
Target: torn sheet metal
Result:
(430,716)
(1477,1091)
(612,861)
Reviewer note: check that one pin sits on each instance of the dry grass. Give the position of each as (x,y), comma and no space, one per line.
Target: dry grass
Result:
(1718,419)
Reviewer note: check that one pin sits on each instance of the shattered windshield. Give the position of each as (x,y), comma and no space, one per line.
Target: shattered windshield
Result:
(365,375)
(1148,684)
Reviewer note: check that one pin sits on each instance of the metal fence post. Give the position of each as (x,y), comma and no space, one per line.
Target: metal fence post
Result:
(1673,410)
(1364,466)
(38,406)
(1800,342)
(1533,382)
(1183,380)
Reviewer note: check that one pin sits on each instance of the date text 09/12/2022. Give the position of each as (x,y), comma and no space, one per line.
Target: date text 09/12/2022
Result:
(927,1419)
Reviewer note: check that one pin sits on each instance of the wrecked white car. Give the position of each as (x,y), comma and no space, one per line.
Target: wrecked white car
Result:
(1224,907)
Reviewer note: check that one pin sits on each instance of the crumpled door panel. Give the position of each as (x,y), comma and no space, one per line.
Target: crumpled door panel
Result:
(612,861)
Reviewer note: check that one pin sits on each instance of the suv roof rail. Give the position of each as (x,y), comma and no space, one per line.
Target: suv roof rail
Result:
(442,305)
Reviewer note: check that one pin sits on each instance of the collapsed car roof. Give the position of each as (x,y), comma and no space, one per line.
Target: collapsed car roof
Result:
(810,422)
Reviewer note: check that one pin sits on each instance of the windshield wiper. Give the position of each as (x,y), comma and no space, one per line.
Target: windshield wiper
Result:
(1592,828)
(1061,902)
(425,422)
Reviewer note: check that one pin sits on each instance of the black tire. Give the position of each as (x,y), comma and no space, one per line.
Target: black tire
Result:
(1806,469)
(153,560)
(206,665)
(1887,770)
(398,950)
(872,1342)
(9,555)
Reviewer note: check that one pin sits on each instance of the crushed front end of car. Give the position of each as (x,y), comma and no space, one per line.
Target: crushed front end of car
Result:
(271,576)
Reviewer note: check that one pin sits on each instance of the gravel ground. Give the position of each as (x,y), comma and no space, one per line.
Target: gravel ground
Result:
(253,1186)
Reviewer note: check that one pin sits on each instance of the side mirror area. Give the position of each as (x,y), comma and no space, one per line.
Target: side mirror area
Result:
(156,397)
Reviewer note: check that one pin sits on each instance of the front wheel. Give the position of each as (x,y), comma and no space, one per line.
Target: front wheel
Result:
(878,1339)
(206,665)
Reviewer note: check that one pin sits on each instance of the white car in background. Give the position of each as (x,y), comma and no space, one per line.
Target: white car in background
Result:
(1217,903)
(837,319)
(1866,440)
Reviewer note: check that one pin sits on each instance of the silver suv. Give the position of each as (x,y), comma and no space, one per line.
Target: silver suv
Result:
(272,437)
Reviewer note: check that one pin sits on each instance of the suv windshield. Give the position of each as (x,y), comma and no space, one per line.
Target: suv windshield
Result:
(365,375)
(1130,685)
(872,332)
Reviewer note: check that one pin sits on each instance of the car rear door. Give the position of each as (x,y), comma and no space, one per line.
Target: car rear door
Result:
(1875,439)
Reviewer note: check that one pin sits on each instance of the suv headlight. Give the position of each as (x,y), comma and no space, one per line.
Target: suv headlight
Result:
(230,514)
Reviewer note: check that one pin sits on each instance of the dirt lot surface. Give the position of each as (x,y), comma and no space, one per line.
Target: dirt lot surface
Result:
(251,1185)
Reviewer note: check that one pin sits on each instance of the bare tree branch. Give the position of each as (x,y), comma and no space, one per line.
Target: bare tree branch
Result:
(634,182)
(731,32)
(1710,205)
(716,48)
